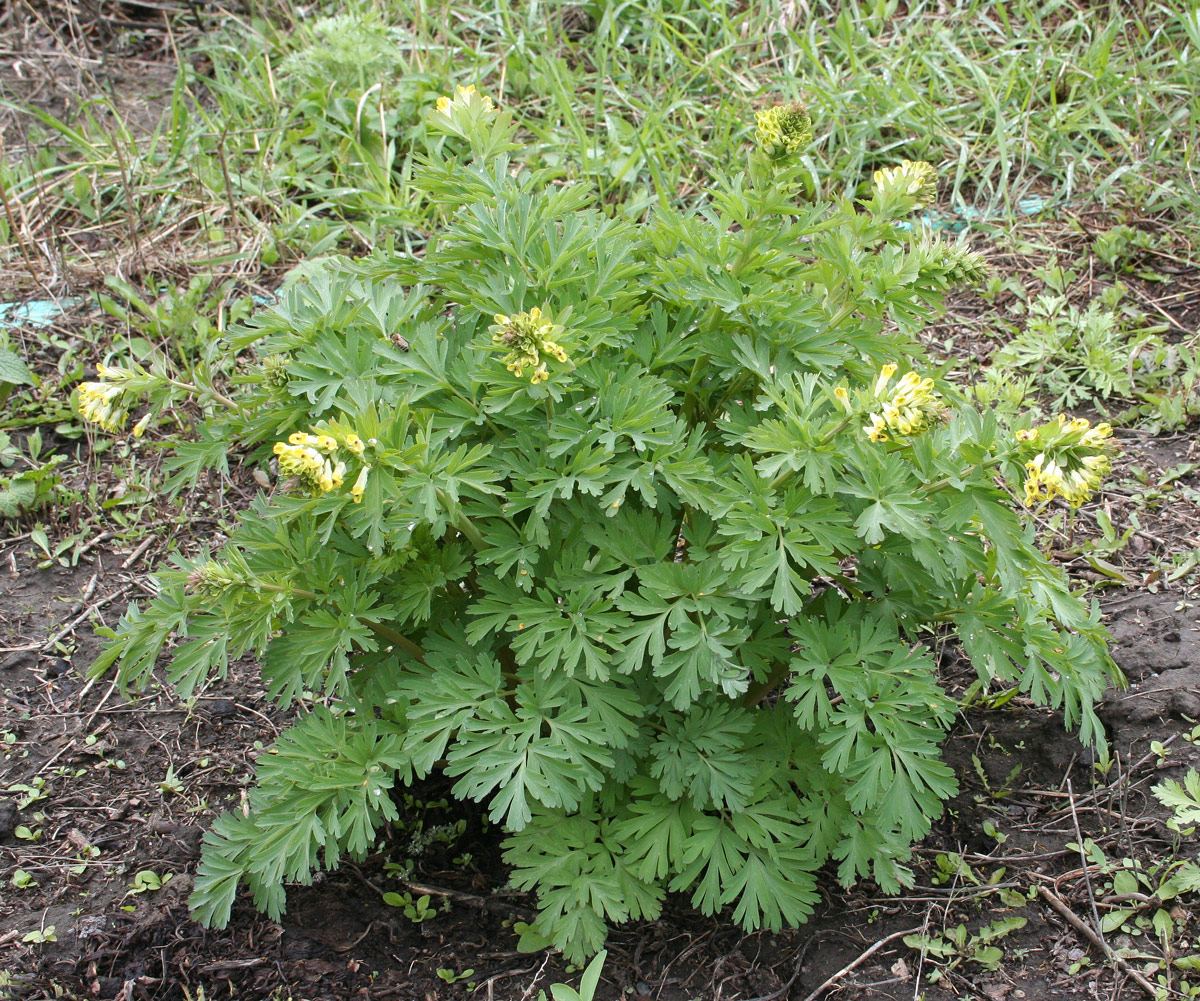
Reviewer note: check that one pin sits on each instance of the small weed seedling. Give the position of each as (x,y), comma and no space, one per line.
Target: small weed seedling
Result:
(416,910)
(957,945)
(147,881)
(588,983)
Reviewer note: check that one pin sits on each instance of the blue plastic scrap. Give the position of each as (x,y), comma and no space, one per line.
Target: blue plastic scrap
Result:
(967,214)
(35,312)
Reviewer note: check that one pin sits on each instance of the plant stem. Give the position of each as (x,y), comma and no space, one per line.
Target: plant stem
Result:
(460,521)
(465,525)
(758,692)
(397,639)
(225,401)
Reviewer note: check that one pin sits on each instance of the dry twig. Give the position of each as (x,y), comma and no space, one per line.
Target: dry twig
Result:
(830,981)
(1081,926)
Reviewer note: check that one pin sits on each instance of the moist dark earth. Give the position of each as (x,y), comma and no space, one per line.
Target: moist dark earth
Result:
(129,786)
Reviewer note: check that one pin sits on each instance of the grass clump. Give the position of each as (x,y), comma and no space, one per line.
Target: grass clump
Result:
(295,138)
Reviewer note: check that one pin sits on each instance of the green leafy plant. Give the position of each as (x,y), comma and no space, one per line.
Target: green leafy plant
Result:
(416,909)
(643,534)
(13,372)
(588,983)
(1090,355)
(35,483)
(1106,355)
(958,945)
(1141,898)
(1120,247)
(1183,798)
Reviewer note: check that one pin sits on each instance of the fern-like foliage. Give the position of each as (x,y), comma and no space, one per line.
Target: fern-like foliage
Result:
(629,530)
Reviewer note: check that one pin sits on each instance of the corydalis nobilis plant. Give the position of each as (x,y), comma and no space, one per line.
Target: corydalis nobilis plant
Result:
(641,535)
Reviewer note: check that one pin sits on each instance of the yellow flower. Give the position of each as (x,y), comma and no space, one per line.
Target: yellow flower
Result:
(911,407)
(313,460)
(360,485)
(310,468)
(1072,458)
(100,403)
(467,99)
(527,338)
(915,179)
(877,430)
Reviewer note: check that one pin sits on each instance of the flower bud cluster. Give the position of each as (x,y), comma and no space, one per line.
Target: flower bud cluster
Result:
(949,264)
(782,131)
(213,578)
(275,371)
(1069,459)
(913,179)
(315,462)
(910,407)
(527,337)
(466,106)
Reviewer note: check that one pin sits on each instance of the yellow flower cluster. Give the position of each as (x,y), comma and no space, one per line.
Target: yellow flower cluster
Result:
(909,408)
(1072,458)
(100,403)
(782,131)
(527,337)
(313,460)
(468,98)
(104,402)
(914,178)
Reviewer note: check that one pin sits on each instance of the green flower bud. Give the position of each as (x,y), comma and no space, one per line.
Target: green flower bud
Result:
(948,264)
(275,371)
(782,131)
